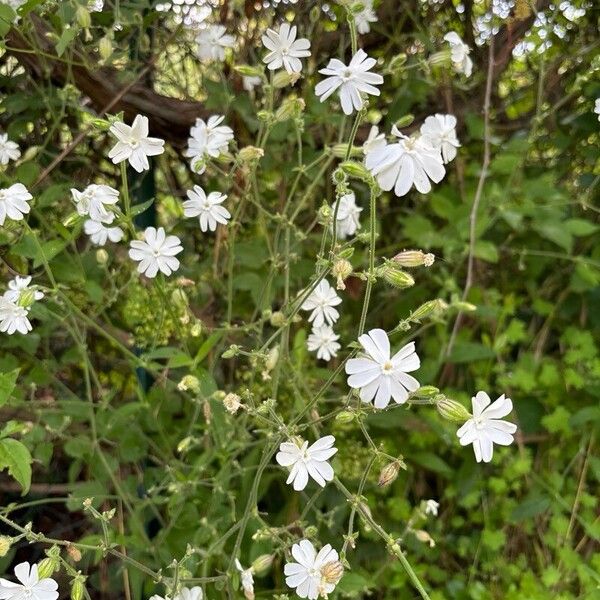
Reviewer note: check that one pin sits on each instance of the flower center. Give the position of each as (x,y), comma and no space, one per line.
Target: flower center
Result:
(134,143)
(479,422)
(387,367)
(2,195)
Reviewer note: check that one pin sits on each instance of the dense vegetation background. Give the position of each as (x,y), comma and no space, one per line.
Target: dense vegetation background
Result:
(178,470)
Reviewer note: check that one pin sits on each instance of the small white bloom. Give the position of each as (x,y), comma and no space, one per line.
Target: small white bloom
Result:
(8,150)
(156,253)
(348,215)
(321,302)
(207,208)
(324,340)
(13,202)
(249,82)
(460,53)
(185,593)
(247,580)
(440,132)
(96,5)
(305,461)
(597,108)
(134,144)
(380,377)
(19,286)
(92,202)
(100,234)
(365,17)
(431,507)
(313,575)
(31,586)
(486,427)
(284,49)
(208,138)
(212,41)
(13,318)
(408,162)
(374,140)
(351,80)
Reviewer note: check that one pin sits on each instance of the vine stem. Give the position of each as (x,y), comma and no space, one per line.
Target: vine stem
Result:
(373,233)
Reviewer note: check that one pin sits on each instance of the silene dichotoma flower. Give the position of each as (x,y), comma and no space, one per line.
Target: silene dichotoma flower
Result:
(374,140)
(348,215)
(19,287)
(156,252)
(431,508)
(208,209)
(324,340)
(247,580)
(304,461)
(8,150)
(194,593)
(31,587)
(99,233)
(14,202)
(380,377)
(93,201)
(284,49)
(313,575)
(408,162)
(207,139)
(440,132)
(365,17)
(13,318)
(459,52)
(321,303)
(486,427)
(134,145)
(212,41)
(351,80)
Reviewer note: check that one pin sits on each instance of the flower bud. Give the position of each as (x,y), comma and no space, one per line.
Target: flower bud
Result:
(5,544)
(414,258)
(356,170)
(101,256)
(77,588)
(249,70)
(232,351)
(341,270)
(397,62)
(290,108)
(465,306)
(441,58)
(332,572)
(47,566)
(105,48)
(262,564)
(344,417)
(429,308)
(83,17)
(388,474)
(426,391)
(405,121)
(340,150)
(189,382)
(272,358)
(232,403)
(26,298)
(424,537)
(277,319)
(283,79)
(324,215)
(452,410)
(250,154)
(179,298)
(396,277)
(196,329)
(74,553)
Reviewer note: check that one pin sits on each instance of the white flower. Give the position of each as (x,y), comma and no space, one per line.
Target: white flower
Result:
(19,286)
(348,215)
(249,82)
(192,13)
(431,507)
(247,580)
(440,132)
(100,234)
(31,586)
(597,108)
(365,17)
(459,52)
(380,377)
(185,593)
(305,461)
(313,574)
(374,140)
(207,139)
(321,302)
(96,5)
(207,208)
(92,202)
(13,202)
(212,41)
(408,162)
(8,150)
(324,341)
(13,318)
(134,144)
(284,49)
(156,253)
(486,428)
(351,81)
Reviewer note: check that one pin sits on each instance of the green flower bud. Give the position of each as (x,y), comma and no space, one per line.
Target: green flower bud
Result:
(283,79)
(277,319)
(83,17)
(397,62)
(388,474)
(427,309)
(340,150)
(324,215)
(396,277)
(405,121)
(77,588)
(101,256)
(452,410)
(250,154)
(262,564)
(290,108)
(47,566)
(189,382)
(414,258)
(5,544)
(105,48)
(426,391)
(341,270)
(232,351)
(249,70)
(356,170)
(344,417)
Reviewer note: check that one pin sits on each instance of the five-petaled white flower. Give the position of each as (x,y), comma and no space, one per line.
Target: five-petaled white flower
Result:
(207,208)
(247,580)
(459,52)
(324,340)
(31,586)
(184,593)
(20,286)
(408,162)
(13,318)
(306,460)
(486,427)
(99,233)
(313,575)
(440,132)
(212,41)
(348,215)
(134,144)
(380,377)
(208,138)
(13,202)
(249,82)
(431,507)
(321,302)
(365,17)
(351,80)
(284,49)
(597,108)
(92,202)
(374,140)
(8,150)
(156,253)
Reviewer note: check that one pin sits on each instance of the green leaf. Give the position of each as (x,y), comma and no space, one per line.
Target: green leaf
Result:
(67,36)
(7,16)
(7,385)
(580,227)
(486,251)
(138,209)
(15,457)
